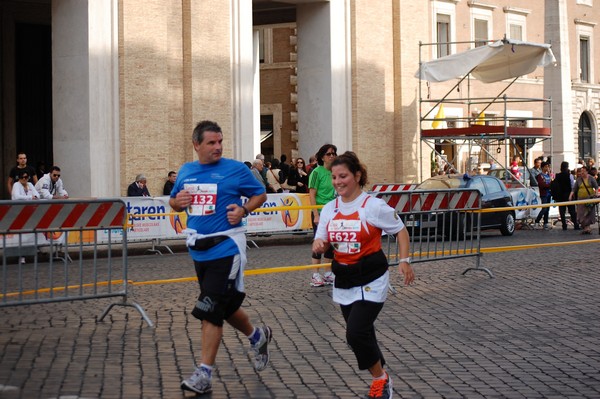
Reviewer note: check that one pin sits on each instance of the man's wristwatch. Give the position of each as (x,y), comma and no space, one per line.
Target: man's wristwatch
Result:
(404,260)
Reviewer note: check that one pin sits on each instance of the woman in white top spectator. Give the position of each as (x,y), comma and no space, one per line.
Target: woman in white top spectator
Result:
(22,189)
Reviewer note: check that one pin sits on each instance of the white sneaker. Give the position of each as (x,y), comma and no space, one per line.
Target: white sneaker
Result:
(317,280)
(261,349)
(329,278)
(198,382)
(22,260)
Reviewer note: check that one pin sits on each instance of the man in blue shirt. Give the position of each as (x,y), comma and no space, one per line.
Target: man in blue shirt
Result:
(210,191)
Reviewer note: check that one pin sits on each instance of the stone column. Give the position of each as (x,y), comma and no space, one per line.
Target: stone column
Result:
(557,85)
(324,95)
(85,95)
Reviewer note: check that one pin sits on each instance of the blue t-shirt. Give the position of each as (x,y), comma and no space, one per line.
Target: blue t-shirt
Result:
(215,186)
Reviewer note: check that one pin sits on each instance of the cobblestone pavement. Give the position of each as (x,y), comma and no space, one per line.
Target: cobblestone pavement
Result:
(533,331)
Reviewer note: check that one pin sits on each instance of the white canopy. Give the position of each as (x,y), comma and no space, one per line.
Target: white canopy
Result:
(503,59)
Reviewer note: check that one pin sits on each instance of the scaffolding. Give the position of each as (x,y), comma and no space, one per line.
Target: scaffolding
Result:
(491,130)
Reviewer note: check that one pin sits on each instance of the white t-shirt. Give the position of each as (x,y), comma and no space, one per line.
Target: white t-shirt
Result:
(376,213)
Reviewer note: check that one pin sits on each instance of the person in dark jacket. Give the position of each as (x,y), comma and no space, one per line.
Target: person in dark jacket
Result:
(170,183)
(544,180)
(561,188)
(138,188)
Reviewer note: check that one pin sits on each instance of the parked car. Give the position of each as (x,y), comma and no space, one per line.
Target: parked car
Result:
(493,195)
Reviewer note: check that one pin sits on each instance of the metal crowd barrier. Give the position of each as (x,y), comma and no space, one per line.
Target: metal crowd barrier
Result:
(442,224)
(29,276)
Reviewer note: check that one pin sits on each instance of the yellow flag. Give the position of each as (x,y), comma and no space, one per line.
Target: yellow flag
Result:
(439,120)
(480,119)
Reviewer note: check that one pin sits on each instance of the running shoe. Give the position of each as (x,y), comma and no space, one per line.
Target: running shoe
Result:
(198,382)
(317,280)
(381,389)
(261,349)
(328,278)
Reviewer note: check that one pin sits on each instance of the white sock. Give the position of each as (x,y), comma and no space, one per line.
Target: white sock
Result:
(381,377)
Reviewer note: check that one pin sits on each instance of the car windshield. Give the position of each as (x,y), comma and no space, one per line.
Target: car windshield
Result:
(441,184)
(502,173)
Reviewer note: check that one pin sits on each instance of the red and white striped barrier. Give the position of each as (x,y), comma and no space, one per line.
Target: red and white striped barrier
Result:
(383,188)
(65,215)
(427,201)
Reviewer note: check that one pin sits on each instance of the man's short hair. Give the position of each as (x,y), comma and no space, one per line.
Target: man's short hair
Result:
(257,161)
(171,173)
(55,168)
(544,164)
(205,126)
(140,177)
(260,156)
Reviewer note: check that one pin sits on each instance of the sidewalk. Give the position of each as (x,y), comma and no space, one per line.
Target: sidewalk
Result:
(531,332)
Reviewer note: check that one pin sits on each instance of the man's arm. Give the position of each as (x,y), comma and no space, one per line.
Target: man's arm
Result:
(235,213)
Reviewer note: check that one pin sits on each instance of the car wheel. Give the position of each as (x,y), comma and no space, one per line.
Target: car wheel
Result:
(507,228)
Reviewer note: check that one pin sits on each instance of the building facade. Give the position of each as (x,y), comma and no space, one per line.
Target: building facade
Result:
(118,85)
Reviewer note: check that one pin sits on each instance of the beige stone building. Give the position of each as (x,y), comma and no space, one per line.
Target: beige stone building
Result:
(108,89)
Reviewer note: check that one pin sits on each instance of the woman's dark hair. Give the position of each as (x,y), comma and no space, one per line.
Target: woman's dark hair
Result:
(275,163)
(350,160)
(322,151)
(22,173)
(303,164)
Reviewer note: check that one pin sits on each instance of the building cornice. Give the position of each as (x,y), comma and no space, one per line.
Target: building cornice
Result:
(586,23)
(479,4)
(515,10)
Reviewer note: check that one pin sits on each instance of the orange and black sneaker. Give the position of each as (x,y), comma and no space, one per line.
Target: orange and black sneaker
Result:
(381,389)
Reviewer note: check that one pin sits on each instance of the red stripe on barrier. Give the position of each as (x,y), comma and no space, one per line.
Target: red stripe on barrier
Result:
(461,200)
(98,215)
(23,217)
(74,215)
(393,200)
(49,216)
(118,220)
(429,201)
(444,203)
(3,211)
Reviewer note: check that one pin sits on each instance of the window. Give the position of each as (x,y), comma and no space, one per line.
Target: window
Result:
(443,27)
(516,23)
(481,22)
(584,59)
(584,136)
(481,32)
(443,35)
(584,31)
(493,186)
(515,32)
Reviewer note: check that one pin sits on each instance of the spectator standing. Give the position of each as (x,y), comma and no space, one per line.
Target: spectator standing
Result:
(274,184)
(536,170)
(514,167)
(210,191)
(13,175)
(298,179)
(543,180)
(321,191)
(585,187)
(561,188)
(312,164)
(50,186)
(352,224)
(257,167)
(171,178)
(284,169)
(138,188)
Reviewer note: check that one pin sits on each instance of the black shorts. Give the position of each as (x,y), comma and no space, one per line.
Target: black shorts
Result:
(219,298)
